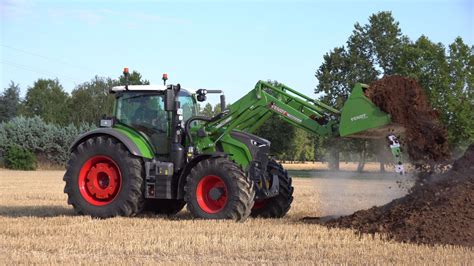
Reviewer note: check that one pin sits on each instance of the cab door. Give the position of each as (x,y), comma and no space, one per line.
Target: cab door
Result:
(145,112)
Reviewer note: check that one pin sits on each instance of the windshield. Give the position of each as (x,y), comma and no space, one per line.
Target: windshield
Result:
(142,110)
(147,109)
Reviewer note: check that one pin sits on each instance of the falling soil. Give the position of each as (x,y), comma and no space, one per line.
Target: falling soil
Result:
(438,212)
(405,100)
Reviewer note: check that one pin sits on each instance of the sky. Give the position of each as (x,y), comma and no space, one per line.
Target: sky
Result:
(227,45)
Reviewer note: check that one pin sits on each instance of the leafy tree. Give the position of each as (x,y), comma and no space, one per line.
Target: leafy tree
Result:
(19,158)
(93,100)
(207,110)
(446,80)
(48,100)
(217,109)
(371,51)
(385,41)
(210,111)
(135,78)
(281,135)
(426,62)
(303,146)
(9,102)
(319,150)
(459,118)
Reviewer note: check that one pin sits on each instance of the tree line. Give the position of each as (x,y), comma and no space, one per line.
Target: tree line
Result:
(373,50)
(47,99)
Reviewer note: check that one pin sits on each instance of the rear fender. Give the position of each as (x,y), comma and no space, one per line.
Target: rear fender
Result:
(135,143)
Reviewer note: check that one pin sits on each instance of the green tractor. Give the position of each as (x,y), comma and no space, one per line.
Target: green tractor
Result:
(157,153)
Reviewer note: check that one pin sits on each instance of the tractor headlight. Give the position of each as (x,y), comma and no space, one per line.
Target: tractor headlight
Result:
(106,122)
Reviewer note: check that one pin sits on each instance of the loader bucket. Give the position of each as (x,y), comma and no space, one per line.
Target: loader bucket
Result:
(360,118)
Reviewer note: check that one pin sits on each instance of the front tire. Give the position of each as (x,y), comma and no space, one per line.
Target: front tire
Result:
(278,206)
(103,179)
(217,188)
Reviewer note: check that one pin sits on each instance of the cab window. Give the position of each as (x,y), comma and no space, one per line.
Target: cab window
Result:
(143,111)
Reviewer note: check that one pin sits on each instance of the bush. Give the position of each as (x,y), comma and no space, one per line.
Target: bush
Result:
(19,158)
(45,140)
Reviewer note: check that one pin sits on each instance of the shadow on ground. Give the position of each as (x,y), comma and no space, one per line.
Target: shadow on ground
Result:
(183,215)
(54,211)
(35,211)
(318,220)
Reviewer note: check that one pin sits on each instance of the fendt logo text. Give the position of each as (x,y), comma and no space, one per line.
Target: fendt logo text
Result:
(283,112)
(358,117)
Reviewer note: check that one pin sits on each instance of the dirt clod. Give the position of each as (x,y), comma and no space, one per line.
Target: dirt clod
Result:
(405,100)
(439,212)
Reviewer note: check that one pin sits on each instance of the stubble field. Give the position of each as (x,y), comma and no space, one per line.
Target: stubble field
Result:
(37,226)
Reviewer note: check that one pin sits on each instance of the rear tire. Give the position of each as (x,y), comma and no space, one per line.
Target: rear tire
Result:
(278,206)
(164,206)
(217,188)
(103,179)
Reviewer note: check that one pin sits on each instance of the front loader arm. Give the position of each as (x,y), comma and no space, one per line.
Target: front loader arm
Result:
(251,111)
(359,115)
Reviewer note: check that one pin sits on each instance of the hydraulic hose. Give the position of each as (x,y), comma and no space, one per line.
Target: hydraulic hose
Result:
(188,123)
(187,132)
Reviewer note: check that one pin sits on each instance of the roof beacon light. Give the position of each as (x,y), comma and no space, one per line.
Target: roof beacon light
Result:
(165,78)
(126,74)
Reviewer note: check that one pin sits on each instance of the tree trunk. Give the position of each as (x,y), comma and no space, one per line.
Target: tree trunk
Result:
(382,167)
(363,156)
(334,160)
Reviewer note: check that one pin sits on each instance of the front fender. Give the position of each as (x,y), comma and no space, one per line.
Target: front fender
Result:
(135,143)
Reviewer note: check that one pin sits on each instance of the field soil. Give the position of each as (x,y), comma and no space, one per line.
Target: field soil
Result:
(438,211)
(37,226)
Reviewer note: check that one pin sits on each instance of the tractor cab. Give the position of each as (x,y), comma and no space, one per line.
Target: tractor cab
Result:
(143,108)
(159,113)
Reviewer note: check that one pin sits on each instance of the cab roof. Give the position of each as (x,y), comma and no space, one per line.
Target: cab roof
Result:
(145,88)
(139,88)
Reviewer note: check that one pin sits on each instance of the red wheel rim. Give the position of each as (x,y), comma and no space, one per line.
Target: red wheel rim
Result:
(211,194)
(99,180)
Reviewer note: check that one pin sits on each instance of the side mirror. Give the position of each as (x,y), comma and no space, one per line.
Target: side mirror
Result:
(201,95)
